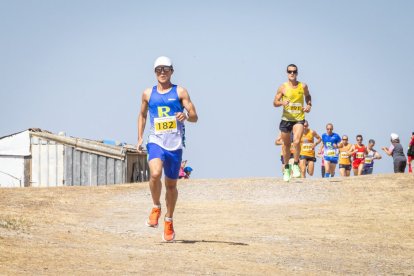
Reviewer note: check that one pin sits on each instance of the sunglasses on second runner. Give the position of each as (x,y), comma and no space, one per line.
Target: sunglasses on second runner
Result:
(160,69)
(292,71)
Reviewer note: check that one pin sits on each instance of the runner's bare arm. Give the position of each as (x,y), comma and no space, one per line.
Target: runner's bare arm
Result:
(188,105)
(318,139)
(308,98)
(353,149)
(320,150)
(142,118)
(278,98)
(377,155)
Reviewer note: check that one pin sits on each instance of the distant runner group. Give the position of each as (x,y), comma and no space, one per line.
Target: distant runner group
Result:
(333,151)
(299,142)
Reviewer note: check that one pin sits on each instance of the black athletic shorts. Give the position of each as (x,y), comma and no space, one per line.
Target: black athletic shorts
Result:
(307,158)
(346,167)
(287,126)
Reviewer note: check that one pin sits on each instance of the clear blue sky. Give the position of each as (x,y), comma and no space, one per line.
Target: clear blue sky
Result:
(81,66)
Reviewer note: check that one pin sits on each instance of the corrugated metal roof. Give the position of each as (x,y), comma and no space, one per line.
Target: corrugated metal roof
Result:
(82,144)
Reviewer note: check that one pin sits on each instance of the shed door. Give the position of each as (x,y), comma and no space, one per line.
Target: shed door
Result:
(47,163)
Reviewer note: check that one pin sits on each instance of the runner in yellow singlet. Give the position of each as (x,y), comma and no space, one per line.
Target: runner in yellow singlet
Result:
(307,149)
(292,96)
(345,153)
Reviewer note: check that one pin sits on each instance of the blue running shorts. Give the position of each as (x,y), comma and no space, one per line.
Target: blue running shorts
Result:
(333,160)
(171,159)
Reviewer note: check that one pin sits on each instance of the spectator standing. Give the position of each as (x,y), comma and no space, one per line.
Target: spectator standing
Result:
(397,152)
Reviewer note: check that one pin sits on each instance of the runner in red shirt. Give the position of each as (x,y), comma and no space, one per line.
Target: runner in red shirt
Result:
(359,151)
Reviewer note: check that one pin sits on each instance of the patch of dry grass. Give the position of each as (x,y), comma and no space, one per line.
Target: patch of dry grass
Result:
(14,222)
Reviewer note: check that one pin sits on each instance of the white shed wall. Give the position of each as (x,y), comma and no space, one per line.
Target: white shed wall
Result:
(11,167)
(16,145)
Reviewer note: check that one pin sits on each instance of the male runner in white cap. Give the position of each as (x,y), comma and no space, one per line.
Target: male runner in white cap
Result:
(169,106)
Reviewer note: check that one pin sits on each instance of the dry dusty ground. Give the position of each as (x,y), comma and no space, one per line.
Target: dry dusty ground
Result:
(359,225)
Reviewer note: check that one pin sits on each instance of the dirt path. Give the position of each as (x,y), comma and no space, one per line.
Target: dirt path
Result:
(359,225)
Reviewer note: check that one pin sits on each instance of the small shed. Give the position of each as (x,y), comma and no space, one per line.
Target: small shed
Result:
(39,158)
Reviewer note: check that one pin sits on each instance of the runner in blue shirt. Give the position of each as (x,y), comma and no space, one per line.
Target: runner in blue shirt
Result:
(330,142)
(169,106)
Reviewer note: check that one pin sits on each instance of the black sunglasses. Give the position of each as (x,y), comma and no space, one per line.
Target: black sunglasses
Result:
(166,69)
(292,71)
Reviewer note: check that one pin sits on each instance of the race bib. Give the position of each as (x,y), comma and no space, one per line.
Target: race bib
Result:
(368,160)
(344,155)
(164,125)
(307,146)
(331,153)
(294,108)
(359,155)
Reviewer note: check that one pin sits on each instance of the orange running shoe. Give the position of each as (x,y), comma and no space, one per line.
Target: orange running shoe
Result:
(153,217)
(169,233)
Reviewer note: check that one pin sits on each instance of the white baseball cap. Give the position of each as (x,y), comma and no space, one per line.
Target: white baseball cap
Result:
(162,60)
(394,136)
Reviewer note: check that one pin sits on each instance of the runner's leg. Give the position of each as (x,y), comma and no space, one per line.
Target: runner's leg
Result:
(297,135)
(332,167)
(286,146)
(311,167)
(155,166)
(302,165)
(327,168)
(355,170)
(171,195)
(360,168)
